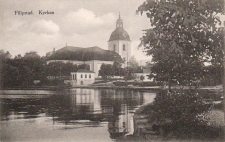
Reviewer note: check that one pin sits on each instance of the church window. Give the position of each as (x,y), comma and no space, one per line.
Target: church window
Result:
(81,76)
(114,47)
(124,124)
(124,47)
(89,75)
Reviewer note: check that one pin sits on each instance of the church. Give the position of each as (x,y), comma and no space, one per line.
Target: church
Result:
(119,49)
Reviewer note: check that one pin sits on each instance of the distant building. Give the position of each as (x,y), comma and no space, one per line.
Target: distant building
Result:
(82,77)
(119,49)
(144,76)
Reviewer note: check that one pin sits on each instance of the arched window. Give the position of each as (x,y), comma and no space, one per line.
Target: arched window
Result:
(114,47)
(124,47)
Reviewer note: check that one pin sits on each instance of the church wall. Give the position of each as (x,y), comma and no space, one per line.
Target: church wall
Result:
(119,49)
(111,46)
(127,53)
(94,64)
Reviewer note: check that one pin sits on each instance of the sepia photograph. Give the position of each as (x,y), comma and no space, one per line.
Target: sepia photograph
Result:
(112,70)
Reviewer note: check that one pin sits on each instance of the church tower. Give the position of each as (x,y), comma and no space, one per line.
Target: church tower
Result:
(120,42)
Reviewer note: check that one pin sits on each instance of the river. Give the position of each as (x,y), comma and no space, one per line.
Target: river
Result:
(96,115)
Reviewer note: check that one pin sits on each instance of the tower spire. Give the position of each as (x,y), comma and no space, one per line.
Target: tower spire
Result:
(119,22)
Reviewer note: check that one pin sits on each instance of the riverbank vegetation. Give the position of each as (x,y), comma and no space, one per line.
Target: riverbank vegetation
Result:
(181,114)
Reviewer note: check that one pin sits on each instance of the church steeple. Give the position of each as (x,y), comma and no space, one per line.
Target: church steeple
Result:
(120,42)
(119,22)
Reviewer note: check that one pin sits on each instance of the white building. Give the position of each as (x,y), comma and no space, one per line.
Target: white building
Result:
(82,77)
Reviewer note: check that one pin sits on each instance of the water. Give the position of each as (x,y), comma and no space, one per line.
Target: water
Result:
(76,115)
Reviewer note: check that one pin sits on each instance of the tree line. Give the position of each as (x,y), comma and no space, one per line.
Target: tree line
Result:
(21,71)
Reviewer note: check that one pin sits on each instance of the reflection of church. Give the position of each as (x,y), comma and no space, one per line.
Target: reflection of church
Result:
(114,106)
(119,49)
(117,107)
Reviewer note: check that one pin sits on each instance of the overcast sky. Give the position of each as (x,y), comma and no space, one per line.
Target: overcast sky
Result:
(81,23)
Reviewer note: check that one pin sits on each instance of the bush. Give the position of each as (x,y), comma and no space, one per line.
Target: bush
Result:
(53,82)
(179,112)
(121,83)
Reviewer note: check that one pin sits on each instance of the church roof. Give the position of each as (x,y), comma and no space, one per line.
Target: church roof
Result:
(119,34)
(85,54)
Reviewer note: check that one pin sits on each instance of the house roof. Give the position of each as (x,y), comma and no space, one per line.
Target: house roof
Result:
(85,71)
(85,54)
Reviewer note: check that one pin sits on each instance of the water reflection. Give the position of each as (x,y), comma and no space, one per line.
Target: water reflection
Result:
(83,107)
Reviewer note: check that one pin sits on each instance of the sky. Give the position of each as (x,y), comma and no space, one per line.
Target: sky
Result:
(79,23)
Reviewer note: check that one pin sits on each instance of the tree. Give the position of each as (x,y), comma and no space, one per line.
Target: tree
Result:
(183,37)
(106,71)
(4,55)
(134,66)
(57,69)
(32,54)
(117,69)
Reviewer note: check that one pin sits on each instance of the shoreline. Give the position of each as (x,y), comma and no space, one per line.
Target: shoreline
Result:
(51,88)
(104,86)
(37,89)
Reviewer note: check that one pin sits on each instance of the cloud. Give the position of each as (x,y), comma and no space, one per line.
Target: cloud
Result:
(15,25)
(85,21)
(45,27)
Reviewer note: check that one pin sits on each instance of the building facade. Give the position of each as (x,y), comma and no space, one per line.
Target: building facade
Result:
(82,77)
(144,76)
